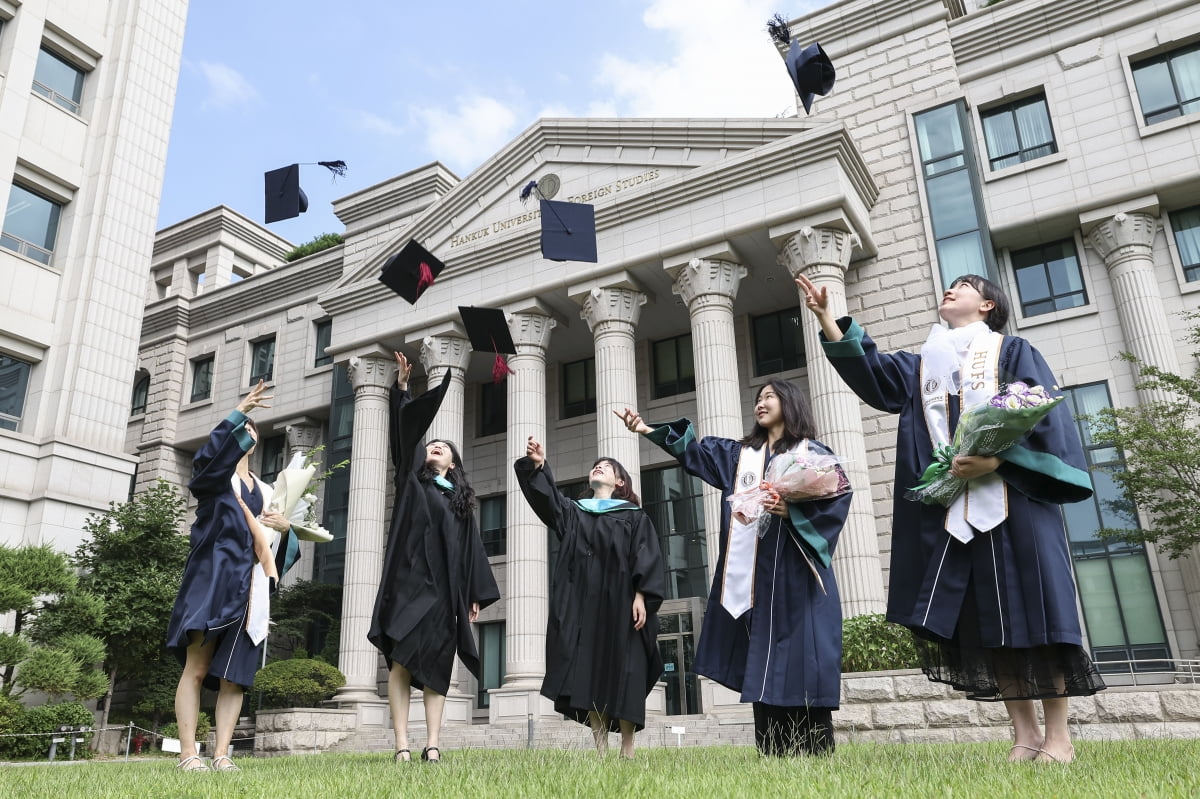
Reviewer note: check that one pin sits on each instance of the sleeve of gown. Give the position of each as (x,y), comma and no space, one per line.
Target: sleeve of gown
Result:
(1048,463)
(542,494)
(215,461)
(713,460)
(646,565)
(409,420)
(879,379)
(482,587)
(818,523)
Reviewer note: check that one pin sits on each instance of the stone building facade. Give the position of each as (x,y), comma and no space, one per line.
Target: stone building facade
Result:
(1047,143)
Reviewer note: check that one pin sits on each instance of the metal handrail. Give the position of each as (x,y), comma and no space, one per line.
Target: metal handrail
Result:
(1182,670)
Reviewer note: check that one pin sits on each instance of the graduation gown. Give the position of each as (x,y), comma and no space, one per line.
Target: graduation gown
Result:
(787,649)
(434,566)
(595,659)
(1020,573)
(214,591)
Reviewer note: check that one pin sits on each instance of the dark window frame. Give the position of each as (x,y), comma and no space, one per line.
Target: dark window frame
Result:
(140,394)
(197,363)
(493,409)
(322,330)
(272,448)
(10,421)
(72,102)
(1191,271)
(1023,153)
(495,539)
(681,359)
(1163,113)
(1057,299)
(786,360)
(587,404)
(256,373)
(42,252)
(483,698)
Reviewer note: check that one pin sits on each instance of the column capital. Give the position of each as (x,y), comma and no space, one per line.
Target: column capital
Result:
(302,437)
(601,305)
(820,246)
(371,371)
(703,276)
(445,352)
(531,329)
(1123,234)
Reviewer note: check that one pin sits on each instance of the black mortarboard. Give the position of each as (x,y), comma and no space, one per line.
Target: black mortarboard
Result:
(810,69)
(488,331)
(411,271)
(284,197)
(568,231)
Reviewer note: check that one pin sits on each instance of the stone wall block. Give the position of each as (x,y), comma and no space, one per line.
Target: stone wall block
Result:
(868,689)
(1128,707)
(918,686)
(898,714)
(853,717)
(1182,705)
(946,712)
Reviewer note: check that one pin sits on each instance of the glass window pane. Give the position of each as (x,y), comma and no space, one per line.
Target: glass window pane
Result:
(951,204)
(1000,134)
(1154,87)
(961,255)
(14,383)
(1186,226)
(57,75)
(1138,603)
(938,133)
(1033,124)
(202,379)
(1099,599)
(31,217)
(687,367)
(665,368)
(324,336)
(1032,284)
(262,361)
(1065,276)
(1186,68)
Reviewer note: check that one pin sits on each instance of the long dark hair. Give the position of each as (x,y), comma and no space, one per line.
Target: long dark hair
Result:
(625,491)
(996,318)
(462,500)
(798,421)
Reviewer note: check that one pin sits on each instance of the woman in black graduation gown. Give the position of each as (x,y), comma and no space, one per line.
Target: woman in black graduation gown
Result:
(436,577)
(210,630)
(990,595)
(602,655)
(773,625)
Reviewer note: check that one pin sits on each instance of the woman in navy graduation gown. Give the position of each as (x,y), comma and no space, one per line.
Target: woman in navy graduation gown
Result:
(602,655)
(436,577)
(995,614)
(211,629)
(773,626)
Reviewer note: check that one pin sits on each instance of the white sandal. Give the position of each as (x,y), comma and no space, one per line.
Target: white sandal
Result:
(229,764)
(183,765)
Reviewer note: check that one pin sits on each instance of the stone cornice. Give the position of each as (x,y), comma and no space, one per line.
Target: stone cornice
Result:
(198,232)
(416,189)
(854,25)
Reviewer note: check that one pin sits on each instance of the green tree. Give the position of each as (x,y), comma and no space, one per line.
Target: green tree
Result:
(298,611)
(1160,441)
(133,557)
(317,244)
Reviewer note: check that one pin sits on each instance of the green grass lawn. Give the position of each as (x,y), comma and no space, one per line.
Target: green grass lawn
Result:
(1103,769)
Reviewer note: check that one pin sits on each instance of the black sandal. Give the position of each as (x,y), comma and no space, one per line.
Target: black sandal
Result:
(397,759)
(425,754)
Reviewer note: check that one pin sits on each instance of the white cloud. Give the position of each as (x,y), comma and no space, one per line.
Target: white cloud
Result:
(373,123)
(720,62)
(464,136)
(226,87)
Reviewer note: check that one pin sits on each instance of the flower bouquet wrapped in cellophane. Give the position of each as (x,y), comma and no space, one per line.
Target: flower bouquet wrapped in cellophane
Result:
(799,475)
(293,495)
(987,429)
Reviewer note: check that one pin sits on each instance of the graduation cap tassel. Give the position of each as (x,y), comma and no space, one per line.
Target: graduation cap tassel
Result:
(338,168)
(528,190)
(778,28)
(424,278)
(500,367)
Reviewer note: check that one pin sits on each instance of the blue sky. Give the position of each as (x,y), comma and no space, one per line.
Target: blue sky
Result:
(390,85)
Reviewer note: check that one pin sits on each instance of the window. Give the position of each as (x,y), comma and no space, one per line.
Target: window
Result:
(262,360)
(324,331)
(674,370)
(202,375)
(493,408)
(491,525)
(14,383)
(58,81)
(952,192)
(1018,132)
(491,660)
(30,224)
(1116,591)
(674,500)
(778,342)
(1185,225)
(272,451)
(1049,278)
(141,390)
(579,387)
(330,561)
(1168,85)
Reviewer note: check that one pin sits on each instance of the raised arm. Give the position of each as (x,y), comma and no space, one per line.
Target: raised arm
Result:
(410,417)
(711,459)
(227,443)
(538,487)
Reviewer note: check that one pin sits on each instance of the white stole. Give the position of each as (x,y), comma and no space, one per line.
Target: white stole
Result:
(741,548)
(983,504)
(258,613)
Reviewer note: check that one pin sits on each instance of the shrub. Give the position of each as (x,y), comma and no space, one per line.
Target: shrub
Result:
(297,683)
(203,728)
(871,643)
(322,242)
(34,722)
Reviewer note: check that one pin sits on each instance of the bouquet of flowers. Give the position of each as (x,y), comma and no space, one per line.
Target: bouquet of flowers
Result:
(795,476)
(987,429)
(294,498)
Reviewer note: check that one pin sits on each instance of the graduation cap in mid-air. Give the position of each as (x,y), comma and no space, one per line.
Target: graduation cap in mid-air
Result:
(284,199)
(810,69)
(568,229)
(488,331)
(411,271)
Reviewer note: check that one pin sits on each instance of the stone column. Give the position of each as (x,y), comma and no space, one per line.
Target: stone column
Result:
(371,376)
(527,580)
(612,314)
(708,288)
(823,255)
(438,354)
(302,438)
(1126,243)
